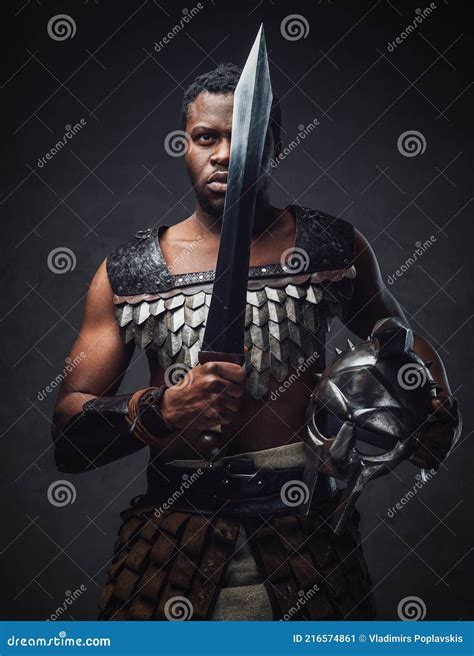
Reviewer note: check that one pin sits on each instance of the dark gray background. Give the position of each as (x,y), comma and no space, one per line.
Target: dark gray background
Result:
(115,177)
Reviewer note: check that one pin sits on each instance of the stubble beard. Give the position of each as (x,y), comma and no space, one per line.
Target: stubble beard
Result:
(216,211)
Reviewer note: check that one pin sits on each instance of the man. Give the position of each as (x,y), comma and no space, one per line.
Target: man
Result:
(215,537)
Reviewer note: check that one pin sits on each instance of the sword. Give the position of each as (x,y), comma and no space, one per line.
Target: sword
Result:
(223,339)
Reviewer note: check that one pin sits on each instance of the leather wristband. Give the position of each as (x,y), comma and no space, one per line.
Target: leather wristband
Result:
(144,417)
(95,436)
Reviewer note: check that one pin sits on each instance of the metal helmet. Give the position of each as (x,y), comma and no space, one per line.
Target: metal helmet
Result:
(381,390)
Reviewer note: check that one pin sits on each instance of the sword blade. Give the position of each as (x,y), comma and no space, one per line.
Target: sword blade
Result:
(224,331)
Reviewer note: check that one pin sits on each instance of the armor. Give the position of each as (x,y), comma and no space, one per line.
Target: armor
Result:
(290,567)
(182,553)
(289,304)
(381,390)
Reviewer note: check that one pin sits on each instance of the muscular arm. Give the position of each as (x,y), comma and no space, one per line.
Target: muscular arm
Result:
(372,301)
(89,437)
(100,352)
(101,359)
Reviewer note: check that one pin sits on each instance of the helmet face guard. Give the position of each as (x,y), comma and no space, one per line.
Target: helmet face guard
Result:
(381,390)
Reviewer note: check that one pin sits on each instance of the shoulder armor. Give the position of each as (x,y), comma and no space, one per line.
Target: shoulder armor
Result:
(329,241)
(138,267)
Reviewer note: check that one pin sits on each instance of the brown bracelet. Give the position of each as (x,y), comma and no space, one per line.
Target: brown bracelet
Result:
(141,403)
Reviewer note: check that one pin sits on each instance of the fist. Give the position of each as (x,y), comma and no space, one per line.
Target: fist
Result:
(208,395)
(440,434)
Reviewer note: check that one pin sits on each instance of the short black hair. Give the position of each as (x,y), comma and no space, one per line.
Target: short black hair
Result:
(224,79)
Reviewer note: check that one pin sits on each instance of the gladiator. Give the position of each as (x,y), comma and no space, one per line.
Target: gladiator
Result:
(247,447)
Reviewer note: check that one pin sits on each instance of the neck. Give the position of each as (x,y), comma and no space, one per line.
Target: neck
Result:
(263,218)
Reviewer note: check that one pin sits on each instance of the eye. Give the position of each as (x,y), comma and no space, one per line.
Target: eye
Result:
(205,138)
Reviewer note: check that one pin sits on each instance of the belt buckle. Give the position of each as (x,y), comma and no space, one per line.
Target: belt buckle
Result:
(241,468)
(241,475)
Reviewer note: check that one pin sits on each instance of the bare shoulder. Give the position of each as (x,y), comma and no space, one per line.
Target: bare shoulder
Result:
(100,283)
(365,261)
(186,230)
(99,301)
(362,243)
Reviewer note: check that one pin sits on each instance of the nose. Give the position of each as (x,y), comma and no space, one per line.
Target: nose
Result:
(221,155)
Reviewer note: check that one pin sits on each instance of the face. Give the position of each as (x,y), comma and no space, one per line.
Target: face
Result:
(209,124)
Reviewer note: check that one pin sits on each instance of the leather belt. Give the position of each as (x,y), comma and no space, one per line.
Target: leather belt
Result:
(236,489)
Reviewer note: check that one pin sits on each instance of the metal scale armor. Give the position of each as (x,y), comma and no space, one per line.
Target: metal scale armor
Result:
(289,309)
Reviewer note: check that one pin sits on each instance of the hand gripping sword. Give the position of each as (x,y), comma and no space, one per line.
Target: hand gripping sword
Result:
(224,333)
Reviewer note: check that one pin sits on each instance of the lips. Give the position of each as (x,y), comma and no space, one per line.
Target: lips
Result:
(218,182)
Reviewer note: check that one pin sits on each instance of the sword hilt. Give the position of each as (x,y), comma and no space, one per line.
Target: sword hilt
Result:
(209,442)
